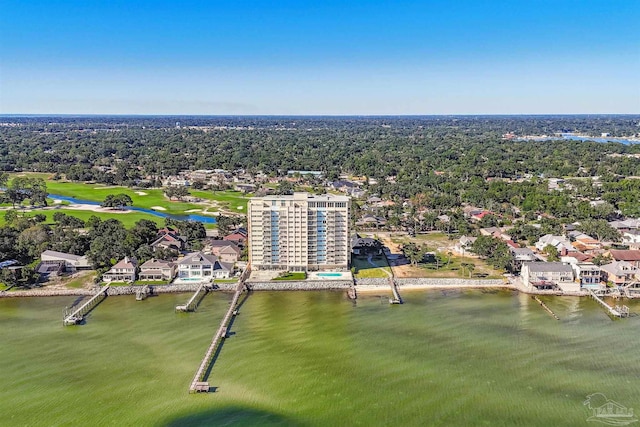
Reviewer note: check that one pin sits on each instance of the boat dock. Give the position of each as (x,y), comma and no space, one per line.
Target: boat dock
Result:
(198,384)
(143,293)
(397,299)
(76,316)
(617,311)
(543,305)
(192,304)
(351,293)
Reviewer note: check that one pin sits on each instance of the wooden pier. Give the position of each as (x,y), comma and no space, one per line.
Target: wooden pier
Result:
(351,293)
(543,305)
(73,317)
(617,311)
(192,304)
(198,385)
(397,299)
(143,293)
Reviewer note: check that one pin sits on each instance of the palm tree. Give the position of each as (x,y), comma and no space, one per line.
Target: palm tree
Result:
(471,267)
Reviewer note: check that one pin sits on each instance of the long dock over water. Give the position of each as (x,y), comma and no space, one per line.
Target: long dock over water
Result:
(76,316)
(617,311)
(198,385)
(192,304)
(397,299)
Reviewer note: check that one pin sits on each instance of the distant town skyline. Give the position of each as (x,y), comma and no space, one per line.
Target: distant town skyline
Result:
(326,58)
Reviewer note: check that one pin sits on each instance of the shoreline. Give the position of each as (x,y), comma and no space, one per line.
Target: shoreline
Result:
(365,288)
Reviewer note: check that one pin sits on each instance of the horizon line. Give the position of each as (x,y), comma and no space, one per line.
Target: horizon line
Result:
(308,115)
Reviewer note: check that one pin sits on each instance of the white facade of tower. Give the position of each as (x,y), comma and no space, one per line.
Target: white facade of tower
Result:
(302,232)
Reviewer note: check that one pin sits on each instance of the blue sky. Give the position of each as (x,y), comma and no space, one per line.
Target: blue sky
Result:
(326,57)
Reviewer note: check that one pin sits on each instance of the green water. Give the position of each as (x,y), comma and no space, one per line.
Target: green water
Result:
(462,358)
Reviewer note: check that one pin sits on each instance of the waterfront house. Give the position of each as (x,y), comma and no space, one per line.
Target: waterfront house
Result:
(226,250)
(157,269)
(619,273)
(124,271)
(520,256)
(201,266)
(464,244)
(587,274)
(548,275)
(70,262)
(365,246)
(630,256)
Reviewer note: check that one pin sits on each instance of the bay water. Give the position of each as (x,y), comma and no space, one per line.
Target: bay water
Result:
(453,357)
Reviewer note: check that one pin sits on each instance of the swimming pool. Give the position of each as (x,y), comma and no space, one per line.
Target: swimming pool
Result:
(329,274)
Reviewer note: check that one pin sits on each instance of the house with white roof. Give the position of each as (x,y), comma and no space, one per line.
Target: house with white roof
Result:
(559,242)
(70,262)
(201,266)
(124,271)
(549,275)
(157,269)
(620,273)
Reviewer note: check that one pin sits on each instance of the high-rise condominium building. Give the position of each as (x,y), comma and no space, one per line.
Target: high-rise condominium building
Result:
(302,232)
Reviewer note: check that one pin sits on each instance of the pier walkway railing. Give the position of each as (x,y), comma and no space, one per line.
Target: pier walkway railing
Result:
(193,302)
(617,311)
(76,316)
(198,384)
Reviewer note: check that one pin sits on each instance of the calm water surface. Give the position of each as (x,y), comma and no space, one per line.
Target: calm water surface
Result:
(313,358)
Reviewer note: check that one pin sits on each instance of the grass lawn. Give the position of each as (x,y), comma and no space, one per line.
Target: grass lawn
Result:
(128,219)
(83,279)
(364,270)
(234,201)
(296,275)
(148,198)
(97,193)
(453,268)
(117,284)
(226,280)
(150,282)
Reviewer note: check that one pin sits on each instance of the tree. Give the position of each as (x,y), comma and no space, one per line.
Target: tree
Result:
(600,229)
(108,243)
(26,188)
(93,221)
(470,267)
(602,259)
(226,224)
(414,253)
(284,187)
(552,253)
(176,192)
(192,230)
(33,241)
(69,221)
(10,216)
(118,201)
(494,250)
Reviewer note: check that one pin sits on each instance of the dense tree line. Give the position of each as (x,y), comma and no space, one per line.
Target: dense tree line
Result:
(439,163)
(23,238)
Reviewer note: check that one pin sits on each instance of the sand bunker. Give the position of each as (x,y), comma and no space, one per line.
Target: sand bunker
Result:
(158,208)
(141,193)
(95,208)
(193,210)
